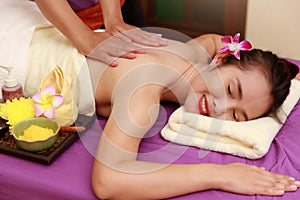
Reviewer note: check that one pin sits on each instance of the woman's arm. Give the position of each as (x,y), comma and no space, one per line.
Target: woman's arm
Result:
(118,175)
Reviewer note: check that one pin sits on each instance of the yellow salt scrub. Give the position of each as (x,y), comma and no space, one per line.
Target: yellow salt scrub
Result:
(35,132)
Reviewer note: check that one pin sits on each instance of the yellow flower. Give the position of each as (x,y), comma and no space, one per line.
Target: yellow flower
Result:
(17,110)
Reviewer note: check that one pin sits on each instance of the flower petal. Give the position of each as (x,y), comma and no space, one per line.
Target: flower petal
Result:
(39,110)
(237,54)
(226,39)
(50,90)
(245,45)
(57,100)
(236,38)
(49,113)
(37,97)
(223,49)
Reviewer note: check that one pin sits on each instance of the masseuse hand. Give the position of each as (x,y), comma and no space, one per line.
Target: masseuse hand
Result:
(120,44)
(105,46)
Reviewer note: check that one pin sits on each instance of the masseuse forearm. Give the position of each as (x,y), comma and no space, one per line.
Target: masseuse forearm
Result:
(111,10)
(61,15)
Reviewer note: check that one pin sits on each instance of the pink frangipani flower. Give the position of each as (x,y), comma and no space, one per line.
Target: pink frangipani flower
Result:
(233,46)
(46,101)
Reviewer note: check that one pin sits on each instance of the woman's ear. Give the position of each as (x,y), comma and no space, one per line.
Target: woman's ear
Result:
(218,59)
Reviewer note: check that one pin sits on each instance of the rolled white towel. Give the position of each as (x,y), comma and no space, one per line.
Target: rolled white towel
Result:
(250,139)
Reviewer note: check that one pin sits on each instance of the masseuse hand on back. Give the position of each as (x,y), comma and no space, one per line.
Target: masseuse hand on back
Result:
(106,46)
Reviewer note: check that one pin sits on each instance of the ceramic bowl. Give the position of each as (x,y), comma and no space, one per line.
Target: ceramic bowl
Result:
(37,145)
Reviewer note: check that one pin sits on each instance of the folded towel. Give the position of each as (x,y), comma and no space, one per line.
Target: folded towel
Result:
(15,35)
(53,60)
(33,48)
(250,139)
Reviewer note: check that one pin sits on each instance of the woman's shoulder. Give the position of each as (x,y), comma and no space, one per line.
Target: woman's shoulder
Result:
(190,51)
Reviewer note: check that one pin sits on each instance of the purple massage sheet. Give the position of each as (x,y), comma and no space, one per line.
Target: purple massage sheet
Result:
(68,177)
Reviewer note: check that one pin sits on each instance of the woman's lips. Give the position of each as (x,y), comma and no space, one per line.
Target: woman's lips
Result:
(203,106)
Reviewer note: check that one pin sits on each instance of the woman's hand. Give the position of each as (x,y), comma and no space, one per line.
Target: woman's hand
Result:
(246,179)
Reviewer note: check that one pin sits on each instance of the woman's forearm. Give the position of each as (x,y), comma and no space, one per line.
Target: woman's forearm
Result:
(61,15)
(118,175)
(155,181)
(158,181)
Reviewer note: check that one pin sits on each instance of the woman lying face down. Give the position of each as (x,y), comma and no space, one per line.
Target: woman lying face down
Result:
(232,89)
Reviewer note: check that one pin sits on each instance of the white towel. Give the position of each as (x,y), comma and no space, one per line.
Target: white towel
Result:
(53,60)
(33,48)
(250,139)
(18,19)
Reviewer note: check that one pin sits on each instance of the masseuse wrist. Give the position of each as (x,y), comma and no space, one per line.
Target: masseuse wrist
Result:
(84,41)
(82,37)
(112,25)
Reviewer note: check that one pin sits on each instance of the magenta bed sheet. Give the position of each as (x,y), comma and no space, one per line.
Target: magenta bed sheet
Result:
(68,177)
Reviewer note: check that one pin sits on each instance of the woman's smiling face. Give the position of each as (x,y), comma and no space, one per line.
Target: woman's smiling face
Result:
(232,94)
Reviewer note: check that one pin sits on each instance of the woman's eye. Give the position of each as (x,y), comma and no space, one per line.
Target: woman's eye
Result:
(234,115)
(229,90)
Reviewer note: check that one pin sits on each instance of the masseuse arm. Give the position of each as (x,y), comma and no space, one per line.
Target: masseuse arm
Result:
(118,175)
(61,15)
(115,25)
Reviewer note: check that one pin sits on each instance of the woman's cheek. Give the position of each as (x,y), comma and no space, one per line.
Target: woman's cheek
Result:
(191,104)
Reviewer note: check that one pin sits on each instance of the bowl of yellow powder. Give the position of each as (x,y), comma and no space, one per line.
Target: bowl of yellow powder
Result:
(36,134)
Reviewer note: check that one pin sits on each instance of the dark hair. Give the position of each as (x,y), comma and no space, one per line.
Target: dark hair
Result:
(279,71)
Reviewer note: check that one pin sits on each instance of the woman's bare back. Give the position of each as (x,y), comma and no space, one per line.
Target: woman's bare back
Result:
(157,66)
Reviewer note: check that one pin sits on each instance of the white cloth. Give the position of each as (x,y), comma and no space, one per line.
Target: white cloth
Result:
(48,49)
(250,139)
(33,59)
(18,19)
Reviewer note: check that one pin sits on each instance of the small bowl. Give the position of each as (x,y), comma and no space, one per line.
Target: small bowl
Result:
(38,145)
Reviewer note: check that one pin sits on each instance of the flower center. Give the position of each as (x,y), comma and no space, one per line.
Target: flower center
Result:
(233,46)
(47,99)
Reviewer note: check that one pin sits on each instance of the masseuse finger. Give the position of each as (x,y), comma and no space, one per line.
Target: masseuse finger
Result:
(146,38)
(118,47)
(112,48)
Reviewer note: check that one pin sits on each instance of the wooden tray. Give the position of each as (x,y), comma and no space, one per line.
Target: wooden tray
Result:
(8,145)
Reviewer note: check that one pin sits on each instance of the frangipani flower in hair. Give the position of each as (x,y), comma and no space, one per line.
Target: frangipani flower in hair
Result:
(46,101)
(233,46)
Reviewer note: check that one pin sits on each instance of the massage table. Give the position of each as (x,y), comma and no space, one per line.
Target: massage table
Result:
(68,177)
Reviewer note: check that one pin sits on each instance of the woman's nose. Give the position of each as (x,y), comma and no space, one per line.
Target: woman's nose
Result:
(222,105)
